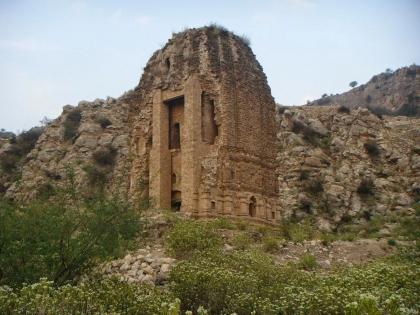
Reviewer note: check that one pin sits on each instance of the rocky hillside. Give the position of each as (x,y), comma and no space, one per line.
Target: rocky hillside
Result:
(347,165)
(90,141)
(395,93)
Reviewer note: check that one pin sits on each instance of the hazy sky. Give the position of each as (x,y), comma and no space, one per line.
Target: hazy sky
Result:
(58,52)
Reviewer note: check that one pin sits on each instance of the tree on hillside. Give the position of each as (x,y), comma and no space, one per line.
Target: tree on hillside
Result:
(353,84)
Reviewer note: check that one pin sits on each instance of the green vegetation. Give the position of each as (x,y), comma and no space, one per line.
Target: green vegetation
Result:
(20,146)
(298,232)
(314,186)
(61,235)
(343,109)
(102,296)
(96,176)
(270,244)
(366,187)
(222,223)
(103,122)
(246,281)
(220,29)
(308,262)
(72,123)
(105,156)
(187,237)
(242,241)
(372,148)
(353,84)
(392,242)
(102,165)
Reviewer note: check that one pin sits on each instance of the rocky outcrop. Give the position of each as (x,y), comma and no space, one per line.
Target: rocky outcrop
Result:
(395,93)
(102,128)
(346,165)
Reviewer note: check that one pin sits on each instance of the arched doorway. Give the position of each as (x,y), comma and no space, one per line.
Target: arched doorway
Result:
(252,207)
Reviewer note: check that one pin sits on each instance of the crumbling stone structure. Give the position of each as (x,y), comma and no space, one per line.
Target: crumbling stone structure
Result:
(210,141)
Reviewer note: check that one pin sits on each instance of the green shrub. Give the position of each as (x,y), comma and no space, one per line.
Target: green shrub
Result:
(372,227)
(96,176)
(297,232)
(21,145)
(242,225)
(415,150)
(222,223)
(366,187)
(217,28)
(304,175)
(104,122)
(221,282)
(270,244)
(248,282)
(325,144)
(242,241)
(105,156)
(102,296)
(187,237)
(372,148)
(309,134)
(60,237)
(327,238)
(245,40)
(72,123)
(392,242)
(410,227)
(308,262)
(8,162)
(314,186)
(263,230)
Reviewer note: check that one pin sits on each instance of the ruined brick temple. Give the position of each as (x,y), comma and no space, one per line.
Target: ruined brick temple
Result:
(211,142)
(198,134)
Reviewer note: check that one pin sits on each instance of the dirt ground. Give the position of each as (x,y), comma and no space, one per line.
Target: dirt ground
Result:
(338,252)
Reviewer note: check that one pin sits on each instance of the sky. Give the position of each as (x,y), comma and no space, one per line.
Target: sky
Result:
(59,52)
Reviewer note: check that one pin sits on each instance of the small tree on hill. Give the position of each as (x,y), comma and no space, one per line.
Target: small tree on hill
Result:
(353,84)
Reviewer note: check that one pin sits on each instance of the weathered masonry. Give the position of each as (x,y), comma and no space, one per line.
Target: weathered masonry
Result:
(213,130)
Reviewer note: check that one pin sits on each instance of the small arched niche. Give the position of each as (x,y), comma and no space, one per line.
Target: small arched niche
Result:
(252,207)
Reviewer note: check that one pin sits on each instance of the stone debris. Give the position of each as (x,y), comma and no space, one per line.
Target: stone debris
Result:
(142,266)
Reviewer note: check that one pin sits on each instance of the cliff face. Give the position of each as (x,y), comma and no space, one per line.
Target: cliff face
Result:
(394,93)
(341,165)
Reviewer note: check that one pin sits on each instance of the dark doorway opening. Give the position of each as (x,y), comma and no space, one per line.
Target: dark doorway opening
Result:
(176,200)
(176,118)
(252,207)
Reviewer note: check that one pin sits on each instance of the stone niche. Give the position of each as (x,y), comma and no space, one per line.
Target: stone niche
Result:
(213,128)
